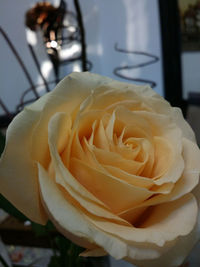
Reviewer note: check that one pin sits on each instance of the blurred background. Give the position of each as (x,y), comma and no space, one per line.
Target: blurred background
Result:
(120,39)
(155,42)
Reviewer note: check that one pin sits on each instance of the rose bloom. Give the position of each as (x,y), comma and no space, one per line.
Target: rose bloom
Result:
(112,165)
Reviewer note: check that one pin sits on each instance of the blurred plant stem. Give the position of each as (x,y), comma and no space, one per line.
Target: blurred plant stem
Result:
(82,32)
(3,262)
(2,142)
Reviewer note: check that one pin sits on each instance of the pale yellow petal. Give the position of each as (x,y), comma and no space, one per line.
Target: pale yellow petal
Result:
(161,125)
(165,223)
(129,178)
(115,160)
(190,176)
(91,139)
(53,136)
(130,118)
(27,140)
(176,254)
(187,182)
(96,252)
(80,198)
(106,97)
(76,149)
(82,129)
(191,155)
(18,171)
(100,138)
(68,96)
(73,223)
(79,228)
(110,128)
(66,218)
(182,124)
(129,152)
(107,188)
(131,104)
(168,164)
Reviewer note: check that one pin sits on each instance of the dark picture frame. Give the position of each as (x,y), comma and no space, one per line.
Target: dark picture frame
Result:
(171,51)
(189,11)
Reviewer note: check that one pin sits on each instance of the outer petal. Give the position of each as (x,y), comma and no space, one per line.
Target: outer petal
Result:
(176,254)
(73,190)
(79,227)
(119,241)
(27,141)
(182,124)
(164,223)
(68,96)
(188,181)
(18,172)
(72,222)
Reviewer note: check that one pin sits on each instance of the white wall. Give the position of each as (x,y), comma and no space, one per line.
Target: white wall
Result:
(133,24)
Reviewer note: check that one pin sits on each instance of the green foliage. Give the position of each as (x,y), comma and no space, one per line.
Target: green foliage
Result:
(41,230)
(54,262)
(65,253)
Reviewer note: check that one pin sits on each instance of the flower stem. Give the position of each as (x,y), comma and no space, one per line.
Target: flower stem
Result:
(3,261)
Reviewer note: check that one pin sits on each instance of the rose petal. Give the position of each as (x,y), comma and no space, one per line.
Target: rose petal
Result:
(83,127)
(96,252)
(79,193)
(78,227)
(178,118)
(187,182)
(53,136)
(129,178)
(129,152)
(100,138)
(18,171)
(116,160)
(163,158)
(68,95)
(73,223)
(175,255)
(165,223)
(106,97)
(144,251)
(108,189)
(48,189)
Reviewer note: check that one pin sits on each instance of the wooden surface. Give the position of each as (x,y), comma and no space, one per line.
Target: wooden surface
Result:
(14,232)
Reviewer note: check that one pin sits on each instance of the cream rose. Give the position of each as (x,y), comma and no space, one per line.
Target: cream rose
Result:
(112,164)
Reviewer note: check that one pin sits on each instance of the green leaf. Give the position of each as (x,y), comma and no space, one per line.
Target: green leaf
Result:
(54,262)
(42,230)
(50,226)
(39,230)
(68,252)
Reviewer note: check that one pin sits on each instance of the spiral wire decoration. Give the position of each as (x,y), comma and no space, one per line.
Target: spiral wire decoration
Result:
(50,20)
(152,59)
